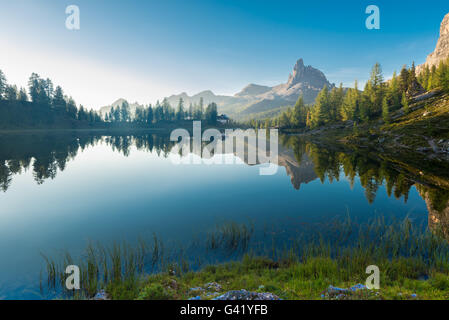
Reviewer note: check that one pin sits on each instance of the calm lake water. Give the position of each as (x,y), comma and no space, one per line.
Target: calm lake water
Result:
(59,191)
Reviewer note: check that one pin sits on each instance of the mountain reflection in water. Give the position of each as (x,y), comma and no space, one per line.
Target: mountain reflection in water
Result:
(47,154)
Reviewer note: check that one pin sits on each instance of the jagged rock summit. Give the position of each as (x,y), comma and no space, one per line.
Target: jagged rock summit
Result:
(442,49)
(307,76)
(305,80)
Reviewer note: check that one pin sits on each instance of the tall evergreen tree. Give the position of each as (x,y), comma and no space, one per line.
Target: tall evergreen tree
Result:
(3,84)
(404,79)
(299,113)
(394,93)
(350,106)
(58,99)
(71,108)
(190,111)
(320,112)
(336,102)
(125,112)
(11,93)
(180,111)
(443,75)
(33,87)
(23,95)
(211,113)
(404,103)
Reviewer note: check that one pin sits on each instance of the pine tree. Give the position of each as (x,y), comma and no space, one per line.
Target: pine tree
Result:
(309,119)
(434,78)
(385,110)
(124,112)
(11,93)
(404,82)
(58,99)
(404,103)
(211,113)
(336,102)
(180,111)
(320,112)
(33,87)
(23,95)
(71,108)
(366,102)
(3,84)
(284,120)
(375,92)
(443,76)
(426,78)
(349,109)
(190,111)
(412,75)
(393,93)
(298,114)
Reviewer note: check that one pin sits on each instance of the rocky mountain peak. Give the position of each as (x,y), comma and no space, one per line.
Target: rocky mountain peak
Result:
(442,49)
(307,76)
(299,67)
(444,29)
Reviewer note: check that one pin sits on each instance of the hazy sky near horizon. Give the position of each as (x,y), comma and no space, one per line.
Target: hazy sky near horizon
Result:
(146,50)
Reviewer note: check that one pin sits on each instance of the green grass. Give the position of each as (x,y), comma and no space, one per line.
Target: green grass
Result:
(298,280)
(301,268)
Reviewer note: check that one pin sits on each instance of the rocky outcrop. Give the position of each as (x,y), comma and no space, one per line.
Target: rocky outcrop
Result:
(441,52)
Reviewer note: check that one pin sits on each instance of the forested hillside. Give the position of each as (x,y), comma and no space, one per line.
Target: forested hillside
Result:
(378,100)
(43,106)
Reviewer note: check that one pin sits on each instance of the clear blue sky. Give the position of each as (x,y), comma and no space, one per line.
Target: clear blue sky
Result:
(145,50)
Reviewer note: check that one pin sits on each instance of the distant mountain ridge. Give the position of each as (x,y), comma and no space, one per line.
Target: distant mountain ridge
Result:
(254,100)
(118,103)
(258,99)
(252,90)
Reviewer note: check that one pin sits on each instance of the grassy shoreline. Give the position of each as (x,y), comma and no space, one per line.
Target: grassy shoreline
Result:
(289,280)
(412,262)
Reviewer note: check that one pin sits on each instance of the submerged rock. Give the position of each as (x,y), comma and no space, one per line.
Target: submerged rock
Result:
(101,295)
(358,287)
(341,293)
(196,289)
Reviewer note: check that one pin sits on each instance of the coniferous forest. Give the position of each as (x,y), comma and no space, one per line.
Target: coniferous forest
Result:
(44,106)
